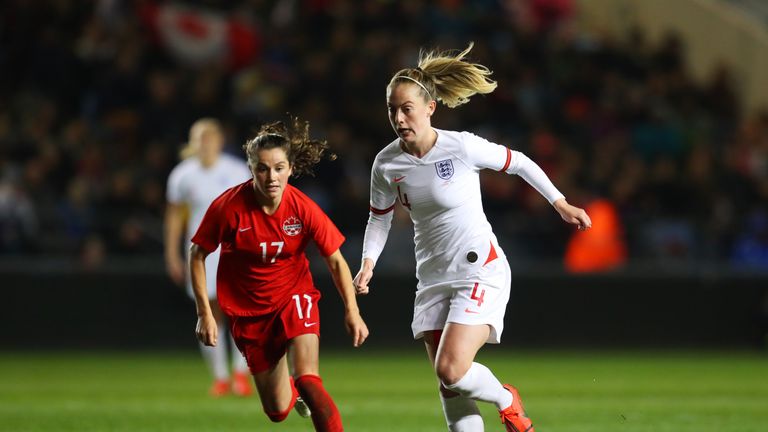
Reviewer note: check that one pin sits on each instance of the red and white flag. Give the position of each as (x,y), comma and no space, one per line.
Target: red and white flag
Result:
(197,36)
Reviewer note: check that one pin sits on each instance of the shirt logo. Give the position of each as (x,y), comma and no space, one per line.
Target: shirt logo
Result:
(444,169)
(292,226)
(245,229)
(398,179)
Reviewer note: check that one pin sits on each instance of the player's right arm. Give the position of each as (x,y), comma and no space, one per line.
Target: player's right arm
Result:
(207,238)
(206,329)
(173,231)
(377,230)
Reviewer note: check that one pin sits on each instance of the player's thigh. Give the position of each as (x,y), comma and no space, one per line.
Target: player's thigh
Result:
(304,354)
(431,343)
(457,350)
(274,387)
(301,327)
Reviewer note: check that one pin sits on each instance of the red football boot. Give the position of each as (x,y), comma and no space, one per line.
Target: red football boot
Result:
(241,384)
(219,388)
(513,416)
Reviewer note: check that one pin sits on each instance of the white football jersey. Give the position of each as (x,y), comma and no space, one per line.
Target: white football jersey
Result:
(441,191)
(192,184)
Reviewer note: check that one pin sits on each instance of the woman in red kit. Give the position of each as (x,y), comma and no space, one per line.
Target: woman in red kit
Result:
(263,280)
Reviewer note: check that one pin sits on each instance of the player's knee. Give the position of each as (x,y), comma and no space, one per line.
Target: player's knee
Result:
(278,416)
(277,410)
(449,372)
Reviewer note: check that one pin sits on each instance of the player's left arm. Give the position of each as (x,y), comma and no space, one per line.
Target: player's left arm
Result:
(485,154)
(572,214)
(342,278)
(523,166)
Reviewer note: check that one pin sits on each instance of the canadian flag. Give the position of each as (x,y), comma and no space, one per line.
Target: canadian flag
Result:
(197,36)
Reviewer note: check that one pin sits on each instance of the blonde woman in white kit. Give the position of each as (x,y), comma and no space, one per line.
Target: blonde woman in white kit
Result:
(193,184)
(463,275)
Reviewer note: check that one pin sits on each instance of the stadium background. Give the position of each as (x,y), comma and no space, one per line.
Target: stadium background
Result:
(657,123)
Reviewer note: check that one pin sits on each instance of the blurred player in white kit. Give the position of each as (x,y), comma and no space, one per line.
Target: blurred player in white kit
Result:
(203,174)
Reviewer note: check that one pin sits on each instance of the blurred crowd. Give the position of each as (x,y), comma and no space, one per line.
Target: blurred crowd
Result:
(96,99)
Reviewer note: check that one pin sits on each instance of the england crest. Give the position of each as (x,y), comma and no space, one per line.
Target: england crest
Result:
(444,169)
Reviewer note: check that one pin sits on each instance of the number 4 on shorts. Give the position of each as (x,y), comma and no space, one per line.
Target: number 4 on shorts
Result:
(474,295)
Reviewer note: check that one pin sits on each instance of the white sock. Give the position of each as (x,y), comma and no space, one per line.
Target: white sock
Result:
(238,361)
(479,383)
(462,414)
(216,357)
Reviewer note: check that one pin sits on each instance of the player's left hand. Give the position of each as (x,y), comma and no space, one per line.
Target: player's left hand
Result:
(356,328)
(573,215)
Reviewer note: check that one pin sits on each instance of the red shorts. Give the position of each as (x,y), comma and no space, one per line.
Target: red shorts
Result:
(263,339)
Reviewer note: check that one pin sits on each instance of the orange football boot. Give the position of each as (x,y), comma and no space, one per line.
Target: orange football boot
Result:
(241,384)
(513,416)
(219,388)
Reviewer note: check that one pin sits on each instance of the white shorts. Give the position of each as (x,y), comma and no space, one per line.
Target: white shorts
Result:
(465,302)
(211,265)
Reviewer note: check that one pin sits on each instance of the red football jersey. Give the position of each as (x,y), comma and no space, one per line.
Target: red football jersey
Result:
(262,260)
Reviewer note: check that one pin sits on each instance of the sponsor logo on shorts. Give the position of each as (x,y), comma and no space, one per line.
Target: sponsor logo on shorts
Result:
(245,229)
(292,226)
(468,310)
(309,324)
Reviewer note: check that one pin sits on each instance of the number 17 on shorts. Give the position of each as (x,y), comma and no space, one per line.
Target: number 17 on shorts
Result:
(305,316)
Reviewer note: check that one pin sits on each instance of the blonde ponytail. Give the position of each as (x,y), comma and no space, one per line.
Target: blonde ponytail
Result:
(447,78)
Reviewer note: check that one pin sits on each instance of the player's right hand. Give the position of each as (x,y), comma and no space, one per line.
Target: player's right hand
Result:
(207,330)
(363,277)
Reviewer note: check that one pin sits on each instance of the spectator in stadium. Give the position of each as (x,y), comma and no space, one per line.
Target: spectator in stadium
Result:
(463,275)
(264,283)
(193,184)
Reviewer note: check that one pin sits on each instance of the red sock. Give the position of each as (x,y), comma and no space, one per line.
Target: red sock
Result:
(325,415)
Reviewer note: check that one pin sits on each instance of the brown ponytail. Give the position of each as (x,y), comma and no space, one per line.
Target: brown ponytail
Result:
(303,153)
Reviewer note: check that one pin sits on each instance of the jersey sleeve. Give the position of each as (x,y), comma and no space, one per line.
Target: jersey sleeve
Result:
(482,153)
(174,193)
(380,216)
(382,196)
(211,230)
(324,232)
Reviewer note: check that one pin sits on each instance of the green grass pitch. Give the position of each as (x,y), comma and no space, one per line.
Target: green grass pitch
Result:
(385,391)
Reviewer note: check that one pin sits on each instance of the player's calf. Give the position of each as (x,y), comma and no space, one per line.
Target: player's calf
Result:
(325,415)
